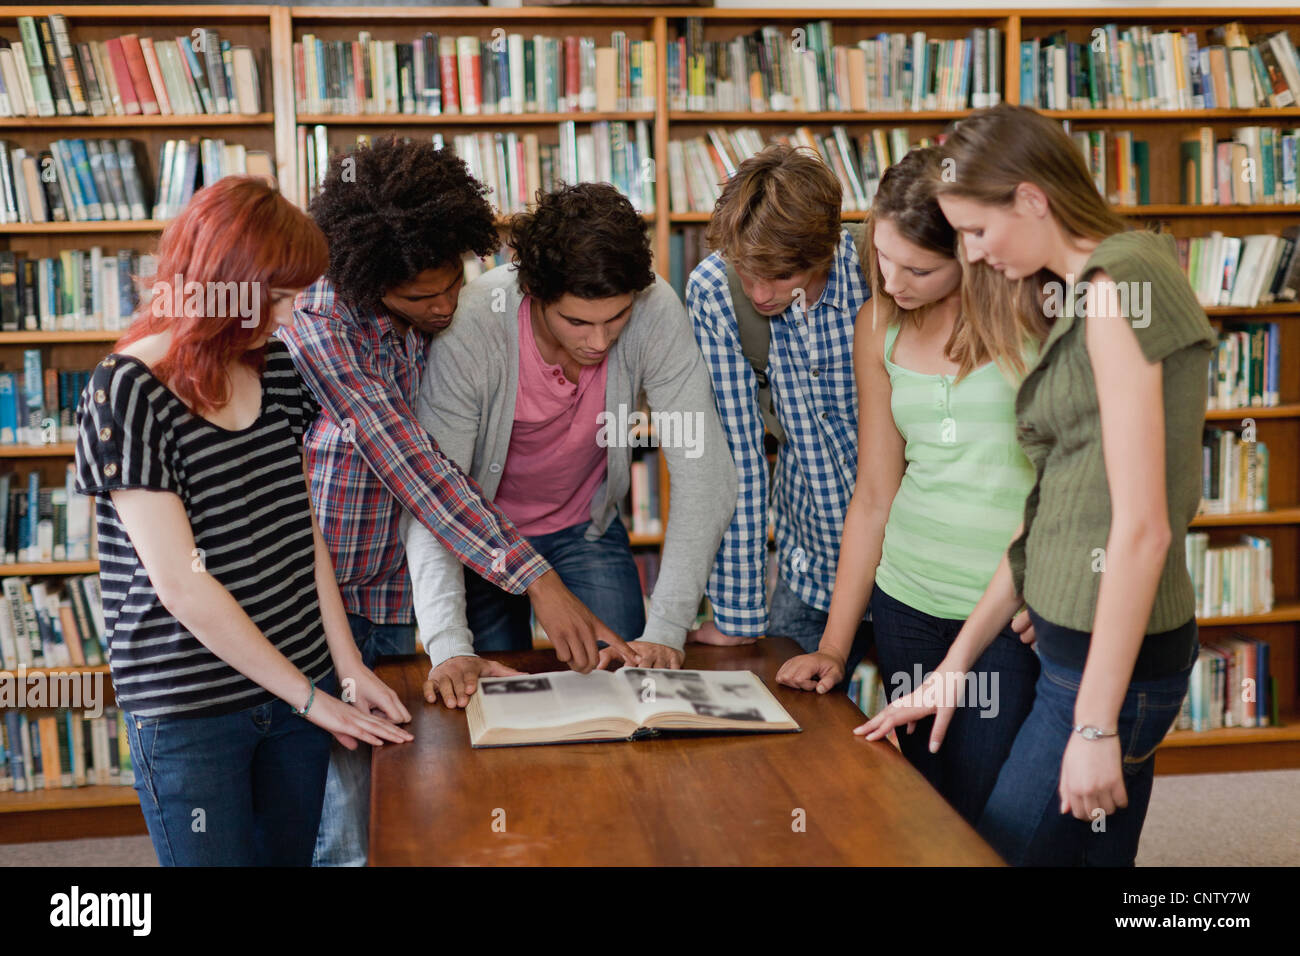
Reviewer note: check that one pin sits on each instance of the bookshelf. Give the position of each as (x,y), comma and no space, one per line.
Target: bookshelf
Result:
(273,30)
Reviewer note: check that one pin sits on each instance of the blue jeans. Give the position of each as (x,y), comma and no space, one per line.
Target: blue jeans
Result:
(344,836)
(788,616)
(241,789)
(911,644)
(601,574)
(1022,819)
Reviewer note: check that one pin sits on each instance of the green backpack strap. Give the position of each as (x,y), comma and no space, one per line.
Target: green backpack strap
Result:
(756,337)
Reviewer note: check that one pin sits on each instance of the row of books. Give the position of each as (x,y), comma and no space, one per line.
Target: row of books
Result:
(93,180)
(1231,579)
(1257,165)
(45,524)
(508,73)
(47,74)
(803,69)
(644,502)
(1245,367)
(187,165)
(37,405)
(698,167)
(1234,473)
(1242,271)
(73,180)
(44,625)
(77,290)
(514,166)
(1230,686)
(1139,69)
(65,748)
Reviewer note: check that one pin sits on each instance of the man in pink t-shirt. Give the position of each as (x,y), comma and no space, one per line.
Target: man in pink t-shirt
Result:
(542,357)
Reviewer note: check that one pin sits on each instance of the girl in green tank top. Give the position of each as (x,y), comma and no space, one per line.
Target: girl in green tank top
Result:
(941,483)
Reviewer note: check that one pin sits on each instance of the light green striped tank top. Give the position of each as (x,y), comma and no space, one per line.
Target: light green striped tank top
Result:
(963,491)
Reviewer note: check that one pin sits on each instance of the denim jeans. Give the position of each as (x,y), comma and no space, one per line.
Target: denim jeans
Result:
(601,574)
(1022,819)
(344,837)
(911,644)
(241,789)
(788,616)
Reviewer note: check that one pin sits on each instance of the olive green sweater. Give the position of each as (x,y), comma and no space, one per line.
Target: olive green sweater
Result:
(1056,560)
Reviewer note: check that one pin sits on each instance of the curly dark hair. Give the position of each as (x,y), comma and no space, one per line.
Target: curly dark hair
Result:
(404,207)
(585,240)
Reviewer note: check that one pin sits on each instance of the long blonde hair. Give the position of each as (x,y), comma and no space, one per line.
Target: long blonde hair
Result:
(986,328)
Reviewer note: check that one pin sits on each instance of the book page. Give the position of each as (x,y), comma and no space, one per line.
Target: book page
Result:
(729,695)
(552,699)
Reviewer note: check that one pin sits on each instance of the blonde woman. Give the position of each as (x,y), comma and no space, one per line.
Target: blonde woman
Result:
(1111,417)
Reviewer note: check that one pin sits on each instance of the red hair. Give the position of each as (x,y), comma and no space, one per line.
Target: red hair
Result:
(238,230)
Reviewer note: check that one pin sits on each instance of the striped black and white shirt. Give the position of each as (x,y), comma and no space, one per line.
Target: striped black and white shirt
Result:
(247,502)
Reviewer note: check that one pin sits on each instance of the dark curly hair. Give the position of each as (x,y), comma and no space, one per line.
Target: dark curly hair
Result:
(585,240)
(404,207)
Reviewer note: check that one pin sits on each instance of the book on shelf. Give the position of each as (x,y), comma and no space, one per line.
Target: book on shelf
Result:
(633,702)
(1255,166)
(1245,366)
(1231,580)
(78,290)
(1141,68)
(187,165)
(52,625)
(505,74)
(74,180)
(698,167)
(1242,271)
(1230,686)
(44,524)
(1234,473)
(1120,165)
(62,748)
(776,69)
(514,166)
(48,72)
(37,406)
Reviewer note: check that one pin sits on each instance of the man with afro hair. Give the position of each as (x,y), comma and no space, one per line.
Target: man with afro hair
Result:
(400,218)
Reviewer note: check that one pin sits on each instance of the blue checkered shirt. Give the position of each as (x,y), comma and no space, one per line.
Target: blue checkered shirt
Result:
(810,368)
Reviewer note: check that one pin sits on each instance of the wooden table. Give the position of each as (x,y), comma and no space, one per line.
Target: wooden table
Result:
(673,800)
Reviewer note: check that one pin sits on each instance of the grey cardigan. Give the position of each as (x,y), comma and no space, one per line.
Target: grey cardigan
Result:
(467,403)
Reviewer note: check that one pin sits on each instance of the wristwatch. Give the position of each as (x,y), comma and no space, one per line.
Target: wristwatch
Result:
(1094,733)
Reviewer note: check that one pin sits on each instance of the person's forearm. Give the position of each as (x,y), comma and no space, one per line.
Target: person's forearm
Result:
(1135,559)
(992,614)
(438,593)
(860,548)
(208,611)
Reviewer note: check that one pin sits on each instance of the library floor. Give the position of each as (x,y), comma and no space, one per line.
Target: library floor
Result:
(1252,817)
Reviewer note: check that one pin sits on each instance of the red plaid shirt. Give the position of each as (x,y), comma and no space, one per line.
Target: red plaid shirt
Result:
(368,458)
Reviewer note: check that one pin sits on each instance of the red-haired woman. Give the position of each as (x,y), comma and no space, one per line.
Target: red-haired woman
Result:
(226,632)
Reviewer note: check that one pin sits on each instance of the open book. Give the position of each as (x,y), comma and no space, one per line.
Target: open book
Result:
(567,707)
